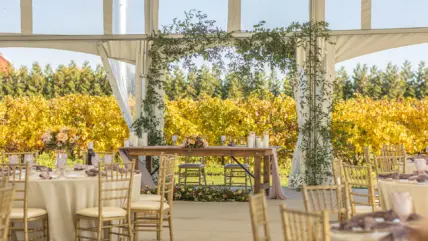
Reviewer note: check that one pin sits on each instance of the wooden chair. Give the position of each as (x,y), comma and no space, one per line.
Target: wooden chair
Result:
(155,197)
(192,170)
(235,171)
(6,200)
(392,159)
(259,219)
(328,198)
(305,226)
(360,177)
(150,216)
(21,156)
(115,184)
(337,171)
(19,178)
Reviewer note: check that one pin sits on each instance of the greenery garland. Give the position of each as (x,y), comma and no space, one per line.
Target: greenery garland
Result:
(247,57)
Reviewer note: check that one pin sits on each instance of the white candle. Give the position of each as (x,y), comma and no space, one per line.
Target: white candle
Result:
(134,140)
(90,145)
(126,143)
(266,139)
(145,139)
(140,142)
(223,138)
(259,142)
(250,141)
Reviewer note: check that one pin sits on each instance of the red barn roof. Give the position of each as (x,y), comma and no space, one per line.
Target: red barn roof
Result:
(4,63)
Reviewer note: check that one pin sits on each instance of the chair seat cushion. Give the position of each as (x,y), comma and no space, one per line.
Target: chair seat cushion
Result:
(191,165)
(107,212)
(365,209)
(236,166)
(150,197)
(18,213)
(148,205)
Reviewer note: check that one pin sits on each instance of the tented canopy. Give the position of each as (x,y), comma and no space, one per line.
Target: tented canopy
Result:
(133,49)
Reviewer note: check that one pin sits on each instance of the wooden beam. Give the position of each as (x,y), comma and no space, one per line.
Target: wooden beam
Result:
(234,16)
(26,16)
(126,113)
(108,16)
(366,14)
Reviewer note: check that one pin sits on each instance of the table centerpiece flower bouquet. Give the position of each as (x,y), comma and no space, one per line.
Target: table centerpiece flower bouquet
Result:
(194,142)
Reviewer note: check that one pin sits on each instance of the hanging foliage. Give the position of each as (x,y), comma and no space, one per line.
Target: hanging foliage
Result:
(247,56)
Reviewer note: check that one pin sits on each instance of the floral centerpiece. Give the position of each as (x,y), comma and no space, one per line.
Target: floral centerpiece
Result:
(60,138)
(194,142)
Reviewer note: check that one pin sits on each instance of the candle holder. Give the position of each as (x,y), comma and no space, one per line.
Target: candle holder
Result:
(223,140)
(174,140)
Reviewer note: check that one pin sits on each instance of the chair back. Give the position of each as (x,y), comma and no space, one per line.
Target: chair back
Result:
(305,226)
(360,177)
(6,200)
(329,198)
(259,219)
(392,159)
(337,171)
(165,188)
(115,184)
(21,156)
(18,177)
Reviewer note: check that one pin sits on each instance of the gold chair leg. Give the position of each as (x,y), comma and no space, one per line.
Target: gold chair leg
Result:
(76,230)
(171,233)
(26,238)
(205,176)
(46,228)
(100,230)
(160,226)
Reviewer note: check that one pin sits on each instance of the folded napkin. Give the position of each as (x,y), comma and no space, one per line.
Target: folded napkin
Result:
(402,204)
(394,175)
(79,167)
(92,172)
(43,168)
(45,175)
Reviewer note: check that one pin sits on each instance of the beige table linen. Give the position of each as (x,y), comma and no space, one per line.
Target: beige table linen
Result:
(418,191)
(343,236)
(63,197)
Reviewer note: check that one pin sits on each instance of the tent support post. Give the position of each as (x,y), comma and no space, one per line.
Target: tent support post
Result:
(113,83)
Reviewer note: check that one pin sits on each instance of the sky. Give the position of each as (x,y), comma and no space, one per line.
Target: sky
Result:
(85,17)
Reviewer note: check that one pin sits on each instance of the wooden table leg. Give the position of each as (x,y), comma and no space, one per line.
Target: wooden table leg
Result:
(257,174)
(266,173)
(149,164)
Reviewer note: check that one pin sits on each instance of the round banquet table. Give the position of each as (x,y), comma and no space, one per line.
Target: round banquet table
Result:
(418,191)
(63,197)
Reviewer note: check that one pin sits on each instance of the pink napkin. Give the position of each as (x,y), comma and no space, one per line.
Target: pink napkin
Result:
(45,175)
(402,204)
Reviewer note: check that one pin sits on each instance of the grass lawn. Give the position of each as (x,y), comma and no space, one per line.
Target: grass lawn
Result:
(218,180)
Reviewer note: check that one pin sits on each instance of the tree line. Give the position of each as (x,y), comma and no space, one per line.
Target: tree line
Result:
(49,83)
(370,81)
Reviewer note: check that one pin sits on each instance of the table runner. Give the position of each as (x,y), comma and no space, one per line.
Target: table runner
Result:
(277,192)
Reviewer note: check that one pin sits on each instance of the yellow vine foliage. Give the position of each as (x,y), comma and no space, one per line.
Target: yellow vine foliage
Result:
(356,123)
(98,119)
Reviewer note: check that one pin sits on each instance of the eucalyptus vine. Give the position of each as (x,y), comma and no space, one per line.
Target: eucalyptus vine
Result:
(248,55)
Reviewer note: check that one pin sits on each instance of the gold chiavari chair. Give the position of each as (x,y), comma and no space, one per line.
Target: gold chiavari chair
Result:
(114,187)
(337,171)
(21,156)
(259,219)
(329,198)
(305,226)
(150,216)
(6,200)
(360,177)
(19,178)
(392,159)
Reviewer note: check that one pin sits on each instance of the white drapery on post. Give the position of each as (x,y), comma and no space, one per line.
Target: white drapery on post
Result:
(325,91)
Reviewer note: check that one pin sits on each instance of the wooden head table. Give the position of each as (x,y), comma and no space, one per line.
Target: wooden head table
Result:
(260,155)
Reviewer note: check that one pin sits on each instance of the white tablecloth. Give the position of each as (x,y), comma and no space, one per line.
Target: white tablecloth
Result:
(63,197)
(343,236)
(418,191)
